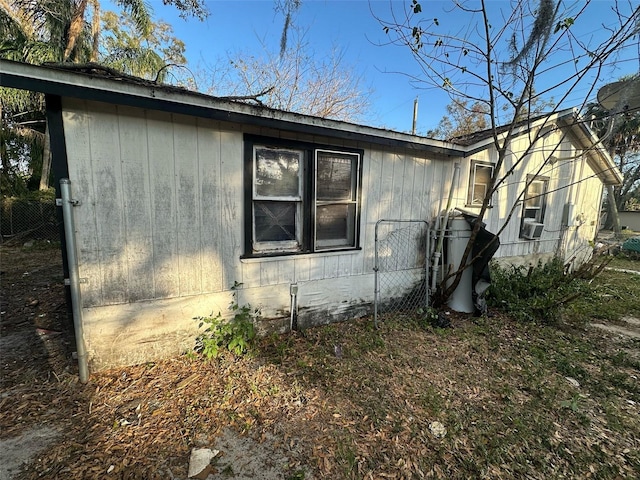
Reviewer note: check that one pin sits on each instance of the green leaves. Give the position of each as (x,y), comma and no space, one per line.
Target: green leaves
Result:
(564,24)
(235,334)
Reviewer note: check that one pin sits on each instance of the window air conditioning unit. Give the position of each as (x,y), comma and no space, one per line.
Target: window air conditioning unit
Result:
(532,230)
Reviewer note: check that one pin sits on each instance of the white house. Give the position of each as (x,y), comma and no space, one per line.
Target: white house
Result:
(181,195)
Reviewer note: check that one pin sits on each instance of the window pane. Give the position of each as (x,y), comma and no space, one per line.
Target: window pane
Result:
(277,173)
(481,176)
(534,194)
(479,191)
(335,225)
(275,221)
(335,176)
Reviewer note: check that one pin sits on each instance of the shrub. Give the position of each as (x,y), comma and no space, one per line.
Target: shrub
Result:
(535,293)
(234,334)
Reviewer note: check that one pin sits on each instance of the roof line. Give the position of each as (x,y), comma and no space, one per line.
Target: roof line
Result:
(144,94)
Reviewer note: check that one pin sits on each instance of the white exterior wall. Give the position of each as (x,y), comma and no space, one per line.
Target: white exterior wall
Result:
(160,229)
(571,180)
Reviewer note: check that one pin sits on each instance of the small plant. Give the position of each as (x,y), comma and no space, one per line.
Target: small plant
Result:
(234,334)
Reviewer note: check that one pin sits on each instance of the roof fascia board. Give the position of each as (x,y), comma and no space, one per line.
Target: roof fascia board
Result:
(488,142)
(598,157)
(62,83)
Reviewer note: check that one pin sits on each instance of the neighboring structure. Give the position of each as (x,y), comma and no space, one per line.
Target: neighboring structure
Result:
(182,195)
(630,220)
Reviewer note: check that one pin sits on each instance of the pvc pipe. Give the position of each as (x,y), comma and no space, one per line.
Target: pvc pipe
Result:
(443,227)
(376,287)
(74,278)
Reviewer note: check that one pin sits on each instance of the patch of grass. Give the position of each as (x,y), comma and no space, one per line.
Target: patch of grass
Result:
(613,295)
(625,262)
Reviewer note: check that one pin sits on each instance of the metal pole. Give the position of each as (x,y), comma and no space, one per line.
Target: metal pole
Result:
(67,204)
(427,256)
(376,289)
(415,116)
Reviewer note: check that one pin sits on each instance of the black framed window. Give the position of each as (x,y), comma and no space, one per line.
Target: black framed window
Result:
(302,198)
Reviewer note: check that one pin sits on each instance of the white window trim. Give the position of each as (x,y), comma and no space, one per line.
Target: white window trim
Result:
(472,181)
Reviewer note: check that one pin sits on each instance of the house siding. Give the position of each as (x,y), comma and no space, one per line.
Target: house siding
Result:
(160,229)
(571,180)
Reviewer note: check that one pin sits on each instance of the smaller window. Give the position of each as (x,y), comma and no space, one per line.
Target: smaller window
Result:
(479,180)
(336,199)
(535,199)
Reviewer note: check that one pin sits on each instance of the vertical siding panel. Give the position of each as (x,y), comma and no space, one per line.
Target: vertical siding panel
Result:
(344,266)
(185,146)
(409,194)
(385,211)
(163,204)
(437,187)
(231,168)
(137,212)
(397,181)
(78,135)
(107,174)
(251,274)
(429,167)
(316,268)
(302,269)
(268,273)
(417,190)
(371,206)
(210,199)
(331,266)
(286,271)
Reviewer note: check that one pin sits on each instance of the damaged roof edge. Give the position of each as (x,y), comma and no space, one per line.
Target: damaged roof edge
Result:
(124,91)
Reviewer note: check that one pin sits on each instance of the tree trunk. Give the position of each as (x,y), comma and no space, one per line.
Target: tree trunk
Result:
(77,22)
(46,160)
(613,211)
(95,31)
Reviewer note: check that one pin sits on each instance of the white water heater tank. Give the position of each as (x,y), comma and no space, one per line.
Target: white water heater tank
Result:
(461,299)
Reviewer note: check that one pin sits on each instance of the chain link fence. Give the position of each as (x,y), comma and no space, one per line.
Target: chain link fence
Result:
(25,218)
(401,267)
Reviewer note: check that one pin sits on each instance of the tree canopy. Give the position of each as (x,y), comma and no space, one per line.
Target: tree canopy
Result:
(296,80)
(41,31)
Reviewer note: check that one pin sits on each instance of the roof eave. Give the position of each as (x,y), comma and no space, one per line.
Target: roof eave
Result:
(55,81)
(598,157)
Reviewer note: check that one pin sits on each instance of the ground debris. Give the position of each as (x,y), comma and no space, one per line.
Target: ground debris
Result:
(299,408)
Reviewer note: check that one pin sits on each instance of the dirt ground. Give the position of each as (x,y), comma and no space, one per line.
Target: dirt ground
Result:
(492,399)
(44,407)
(35,345)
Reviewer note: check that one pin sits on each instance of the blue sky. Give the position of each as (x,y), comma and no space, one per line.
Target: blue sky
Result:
(242,25)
